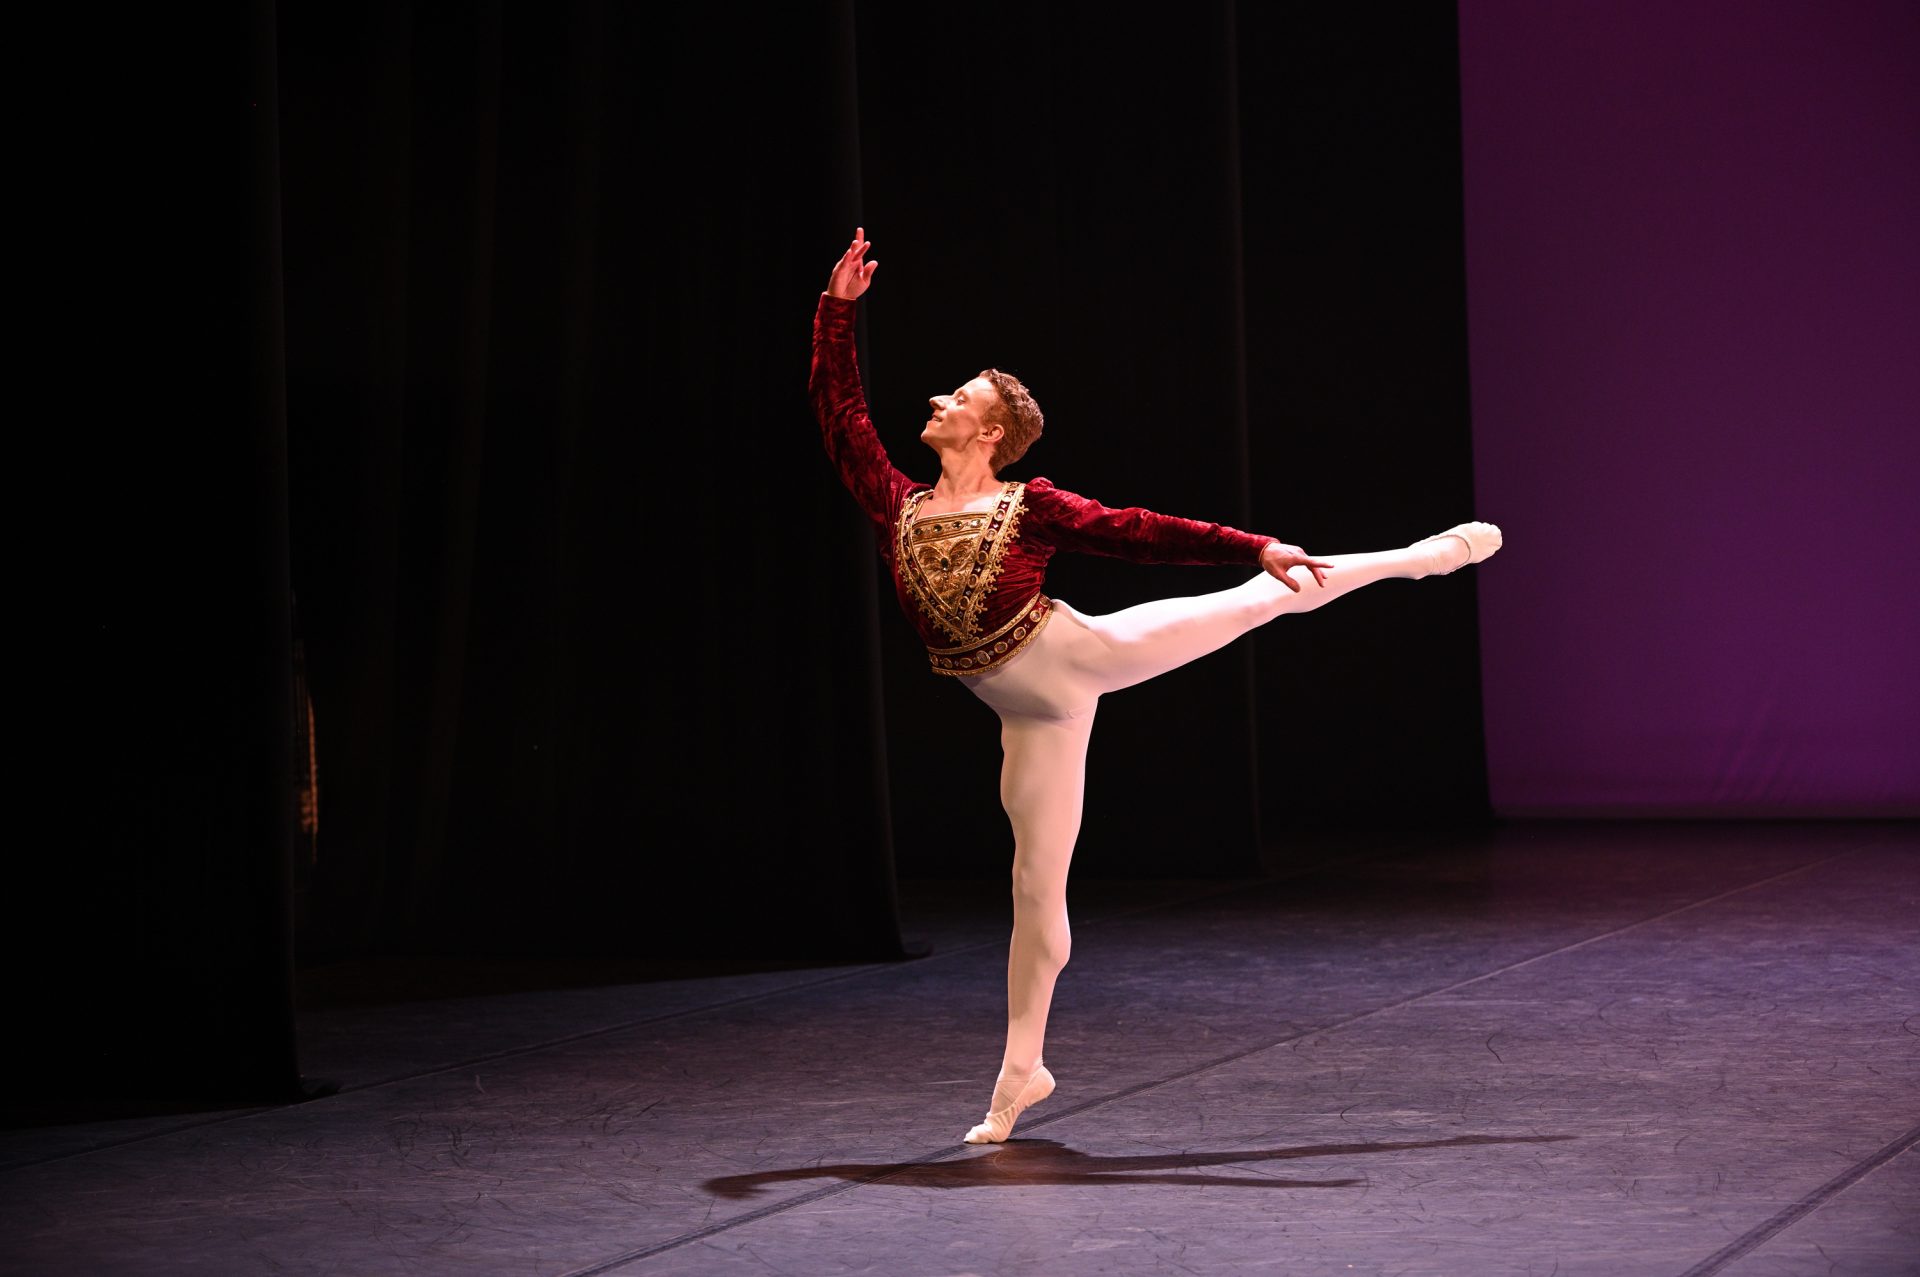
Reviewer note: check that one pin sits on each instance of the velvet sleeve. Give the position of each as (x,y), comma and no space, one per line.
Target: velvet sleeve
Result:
(1071,522)
(840,405)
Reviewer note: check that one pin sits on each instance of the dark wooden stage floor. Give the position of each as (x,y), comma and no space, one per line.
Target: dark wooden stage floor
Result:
(1554,1050)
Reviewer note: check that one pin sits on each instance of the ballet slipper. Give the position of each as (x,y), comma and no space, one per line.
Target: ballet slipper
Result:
(1482,539)
(999,1123)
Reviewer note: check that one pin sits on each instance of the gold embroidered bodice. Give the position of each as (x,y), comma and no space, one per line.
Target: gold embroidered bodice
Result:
(950,561)
(973,581)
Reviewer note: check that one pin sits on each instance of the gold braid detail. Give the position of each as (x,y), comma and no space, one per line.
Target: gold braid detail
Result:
(986,569)
(1025,630)
(971,644)
(996,557)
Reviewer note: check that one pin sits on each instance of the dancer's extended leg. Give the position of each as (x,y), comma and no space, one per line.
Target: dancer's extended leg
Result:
(1151,639)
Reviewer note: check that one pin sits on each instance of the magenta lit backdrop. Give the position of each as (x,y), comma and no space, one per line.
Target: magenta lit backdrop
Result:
(1693,263)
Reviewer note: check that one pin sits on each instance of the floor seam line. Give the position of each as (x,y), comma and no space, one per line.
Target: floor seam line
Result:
(813,1195)
(1764,1232)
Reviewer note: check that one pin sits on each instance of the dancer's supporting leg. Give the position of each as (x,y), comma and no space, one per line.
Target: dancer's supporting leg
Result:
(1042,780)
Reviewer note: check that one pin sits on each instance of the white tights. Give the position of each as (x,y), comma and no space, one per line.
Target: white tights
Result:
(1046,697)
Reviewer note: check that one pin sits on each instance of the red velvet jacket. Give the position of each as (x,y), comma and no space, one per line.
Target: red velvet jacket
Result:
(970,581)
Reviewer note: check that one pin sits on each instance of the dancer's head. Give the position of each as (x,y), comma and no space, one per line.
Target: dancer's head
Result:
(993,412)
(1017,415)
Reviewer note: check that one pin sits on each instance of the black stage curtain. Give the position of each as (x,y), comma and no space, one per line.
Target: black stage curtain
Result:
(590,626)
(1357,319)
(598,644)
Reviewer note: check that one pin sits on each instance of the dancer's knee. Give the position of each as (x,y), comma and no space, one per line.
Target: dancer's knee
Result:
(1036,889)
(1273,598)
(1040,910)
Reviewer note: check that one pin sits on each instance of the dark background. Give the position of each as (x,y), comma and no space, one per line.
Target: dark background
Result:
(513,401)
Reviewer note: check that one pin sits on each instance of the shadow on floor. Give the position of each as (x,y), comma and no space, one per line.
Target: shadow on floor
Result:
(1026,1162)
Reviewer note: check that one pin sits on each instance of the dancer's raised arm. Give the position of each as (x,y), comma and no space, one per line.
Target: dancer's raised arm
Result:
(852,273)
(839,403)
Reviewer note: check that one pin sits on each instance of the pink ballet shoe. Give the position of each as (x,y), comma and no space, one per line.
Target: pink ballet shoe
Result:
(1482,539)
(999,1123)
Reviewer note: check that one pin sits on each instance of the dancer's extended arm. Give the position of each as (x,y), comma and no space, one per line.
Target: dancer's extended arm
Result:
(840,404)
(1073,522)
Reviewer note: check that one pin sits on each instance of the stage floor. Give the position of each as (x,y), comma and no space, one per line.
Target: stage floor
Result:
(1557,1049)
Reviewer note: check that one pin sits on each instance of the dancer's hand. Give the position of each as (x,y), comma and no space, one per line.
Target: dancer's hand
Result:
(851,274)
(1277,558)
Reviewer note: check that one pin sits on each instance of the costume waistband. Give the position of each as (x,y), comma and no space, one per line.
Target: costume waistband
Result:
(981,655)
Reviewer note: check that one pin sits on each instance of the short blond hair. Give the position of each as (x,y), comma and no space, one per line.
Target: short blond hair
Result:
(1017,415)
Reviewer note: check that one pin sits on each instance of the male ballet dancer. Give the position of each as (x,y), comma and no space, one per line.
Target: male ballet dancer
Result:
(968,555)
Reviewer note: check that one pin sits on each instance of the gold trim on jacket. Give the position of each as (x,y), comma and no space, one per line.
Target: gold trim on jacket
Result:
(998,647)
(949,562)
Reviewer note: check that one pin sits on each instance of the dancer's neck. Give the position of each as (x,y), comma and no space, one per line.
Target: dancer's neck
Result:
(963,480)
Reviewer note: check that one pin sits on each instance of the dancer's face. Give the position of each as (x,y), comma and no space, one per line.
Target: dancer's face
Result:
(961,417)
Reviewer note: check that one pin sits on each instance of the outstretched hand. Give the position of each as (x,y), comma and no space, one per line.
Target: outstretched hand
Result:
(852,273)
(1277,558)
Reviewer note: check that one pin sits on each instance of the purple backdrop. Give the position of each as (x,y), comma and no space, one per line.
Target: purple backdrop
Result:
(1693,265)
